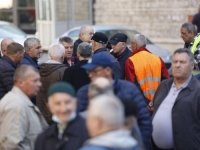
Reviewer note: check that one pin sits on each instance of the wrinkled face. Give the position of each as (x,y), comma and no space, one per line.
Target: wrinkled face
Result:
(93,123)
(98,72)
(133,46)
(87,35)
(119,47)
(186,35)
(181,66)
(36,50)
(62,105)
(68,49)
(31,84)
(19,57)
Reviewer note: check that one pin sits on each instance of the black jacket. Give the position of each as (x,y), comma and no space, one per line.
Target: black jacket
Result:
(117,71)
(121,58)
(76,75)
(50,73)
(73,138)
(76,43)
(185,114)
(30,61)
(7,70)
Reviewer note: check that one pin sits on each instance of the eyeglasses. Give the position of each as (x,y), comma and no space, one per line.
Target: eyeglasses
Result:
(94,71)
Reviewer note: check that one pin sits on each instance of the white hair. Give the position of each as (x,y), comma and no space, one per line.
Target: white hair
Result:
(29,42)
(85,28)
(108,109)
(56,50)
(100,86)
(140,40)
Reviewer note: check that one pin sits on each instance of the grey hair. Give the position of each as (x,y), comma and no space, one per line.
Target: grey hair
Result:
(190,27)
(22,70)
(85,50)
(56,50)
(100,86)
(84,28)
(29,42)
(65,39)
(140,39)
(187,51)
(109,109)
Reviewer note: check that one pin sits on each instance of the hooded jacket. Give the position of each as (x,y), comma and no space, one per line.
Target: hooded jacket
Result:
(50,72)
(114,140)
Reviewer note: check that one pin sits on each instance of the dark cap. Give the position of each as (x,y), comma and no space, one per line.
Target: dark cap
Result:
(61,87)
(119,37)
(99,59)
(100,38)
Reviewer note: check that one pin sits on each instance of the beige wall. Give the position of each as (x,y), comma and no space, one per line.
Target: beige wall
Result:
(160,20)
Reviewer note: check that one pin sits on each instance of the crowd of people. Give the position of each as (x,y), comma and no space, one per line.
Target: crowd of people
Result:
(97,93)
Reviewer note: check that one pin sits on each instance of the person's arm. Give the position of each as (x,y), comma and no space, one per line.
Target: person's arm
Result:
(129,71)
(164,71)
(14,126)
(82,96)
(7,79)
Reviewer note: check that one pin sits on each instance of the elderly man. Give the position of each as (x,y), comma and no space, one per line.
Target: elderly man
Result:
(190,37)
(120,50)
(8,64)
(4,44)
(85,35)
(21,120)
(76,75)
(176,116)
(105,127)
(99,42)
(69,131)
(144,68)
(51,71)
(100,65)
(68,44)
(33,50)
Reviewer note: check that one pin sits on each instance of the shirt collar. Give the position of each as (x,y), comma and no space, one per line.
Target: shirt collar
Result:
(184,85)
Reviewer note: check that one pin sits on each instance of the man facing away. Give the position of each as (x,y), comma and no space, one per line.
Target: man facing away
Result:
(4,44)
(51,72)
(21,120)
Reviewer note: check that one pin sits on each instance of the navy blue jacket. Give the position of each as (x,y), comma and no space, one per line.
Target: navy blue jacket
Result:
(125,90)
(117,71)
(29,61)
(121,58)
(7,70)
(95,147)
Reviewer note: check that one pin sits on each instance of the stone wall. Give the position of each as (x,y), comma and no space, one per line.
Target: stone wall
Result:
(160,20)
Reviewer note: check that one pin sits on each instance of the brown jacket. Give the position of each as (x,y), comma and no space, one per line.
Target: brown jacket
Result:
(50,73)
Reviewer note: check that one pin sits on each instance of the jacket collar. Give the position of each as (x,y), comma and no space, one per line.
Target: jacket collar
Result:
(139,50)
(100,50)
(26,99)
(8,60)
(32,60)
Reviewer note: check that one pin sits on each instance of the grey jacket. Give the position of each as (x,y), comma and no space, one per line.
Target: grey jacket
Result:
(21,121)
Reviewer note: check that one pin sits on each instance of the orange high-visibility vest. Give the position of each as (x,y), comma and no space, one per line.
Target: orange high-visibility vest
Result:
(147,68)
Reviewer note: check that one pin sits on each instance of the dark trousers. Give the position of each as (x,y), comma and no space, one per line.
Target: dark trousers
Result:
(154,147)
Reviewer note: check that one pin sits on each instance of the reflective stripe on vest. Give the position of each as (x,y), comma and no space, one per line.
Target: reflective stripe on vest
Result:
(147,69)
(196,41)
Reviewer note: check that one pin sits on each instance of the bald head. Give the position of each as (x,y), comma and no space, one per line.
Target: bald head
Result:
(4,44)
(86,33)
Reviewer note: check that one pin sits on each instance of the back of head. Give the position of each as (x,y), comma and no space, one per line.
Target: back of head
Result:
(29,42)
(85,50)
(140,40)
(65,39)
(22,72)
(190,27)
(14,48)
(4,44)
(56,51)
(100,86)
(108,109)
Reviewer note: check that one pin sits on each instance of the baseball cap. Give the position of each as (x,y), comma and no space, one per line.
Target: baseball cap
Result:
(99,59)
(100,38)
(119,37)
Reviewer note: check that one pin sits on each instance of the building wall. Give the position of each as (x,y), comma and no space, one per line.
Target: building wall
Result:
(160,20)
